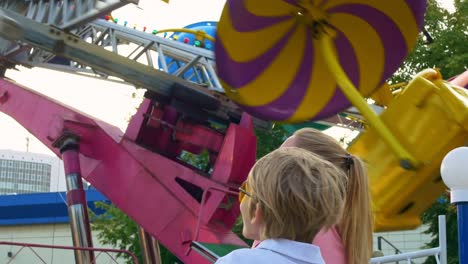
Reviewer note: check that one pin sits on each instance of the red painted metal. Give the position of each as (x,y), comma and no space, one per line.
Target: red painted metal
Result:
(139,171)
(76,196)
(91,249)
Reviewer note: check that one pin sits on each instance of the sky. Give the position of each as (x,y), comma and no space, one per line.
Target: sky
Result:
(87,94)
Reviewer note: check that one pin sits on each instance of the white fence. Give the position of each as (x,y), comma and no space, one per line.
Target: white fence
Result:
(439,253)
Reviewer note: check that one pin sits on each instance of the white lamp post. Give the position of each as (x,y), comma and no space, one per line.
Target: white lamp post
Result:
(454,171)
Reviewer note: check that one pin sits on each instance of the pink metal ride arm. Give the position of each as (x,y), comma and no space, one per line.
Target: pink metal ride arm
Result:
(460,80)
(140,182)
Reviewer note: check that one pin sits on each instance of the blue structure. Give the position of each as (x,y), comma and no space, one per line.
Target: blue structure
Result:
(208,27)
(41,208)
(462,216)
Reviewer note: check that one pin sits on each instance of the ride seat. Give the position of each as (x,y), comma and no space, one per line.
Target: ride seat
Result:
(429,118)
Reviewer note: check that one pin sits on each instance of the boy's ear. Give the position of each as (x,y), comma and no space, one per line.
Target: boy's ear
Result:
(257,218)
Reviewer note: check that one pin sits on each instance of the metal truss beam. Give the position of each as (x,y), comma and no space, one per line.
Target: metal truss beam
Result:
(65,14)
(145,48)
(48,41)
(57,42)
(107,50)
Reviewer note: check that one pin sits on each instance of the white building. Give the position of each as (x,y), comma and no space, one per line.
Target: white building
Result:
(42,218)
(25,172)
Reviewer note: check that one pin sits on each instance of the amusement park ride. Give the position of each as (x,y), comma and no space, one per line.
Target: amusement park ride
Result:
(267,54)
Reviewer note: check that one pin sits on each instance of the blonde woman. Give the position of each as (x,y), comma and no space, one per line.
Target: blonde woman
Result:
(290,195)
(350,240)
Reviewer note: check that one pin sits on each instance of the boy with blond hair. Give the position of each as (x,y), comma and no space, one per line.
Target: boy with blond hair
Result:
(289,196)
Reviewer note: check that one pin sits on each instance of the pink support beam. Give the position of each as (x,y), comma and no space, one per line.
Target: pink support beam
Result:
(106,251)
(460,80)
(140,182)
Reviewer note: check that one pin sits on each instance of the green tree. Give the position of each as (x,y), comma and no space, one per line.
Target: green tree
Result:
(443,44)
(269,140)
(117,229)
(200,161)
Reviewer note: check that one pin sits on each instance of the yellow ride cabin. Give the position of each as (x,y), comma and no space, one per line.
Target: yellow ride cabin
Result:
(429,117)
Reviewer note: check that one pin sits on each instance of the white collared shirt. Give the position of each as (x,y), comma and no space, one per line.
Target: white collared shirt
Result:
(272,251)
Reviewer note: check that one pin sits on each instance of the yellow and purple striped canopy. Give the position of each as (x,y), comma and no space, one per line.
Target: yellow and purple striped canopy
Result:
(269,57)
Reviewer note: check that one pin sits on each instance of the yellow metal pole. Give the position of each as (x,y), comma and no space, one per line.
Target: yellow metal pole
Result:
(186,30)
(407,160)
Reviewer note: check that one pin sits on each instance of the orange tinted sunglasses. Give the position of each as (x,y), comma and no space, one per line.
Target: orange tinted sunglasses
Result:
(243,191)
